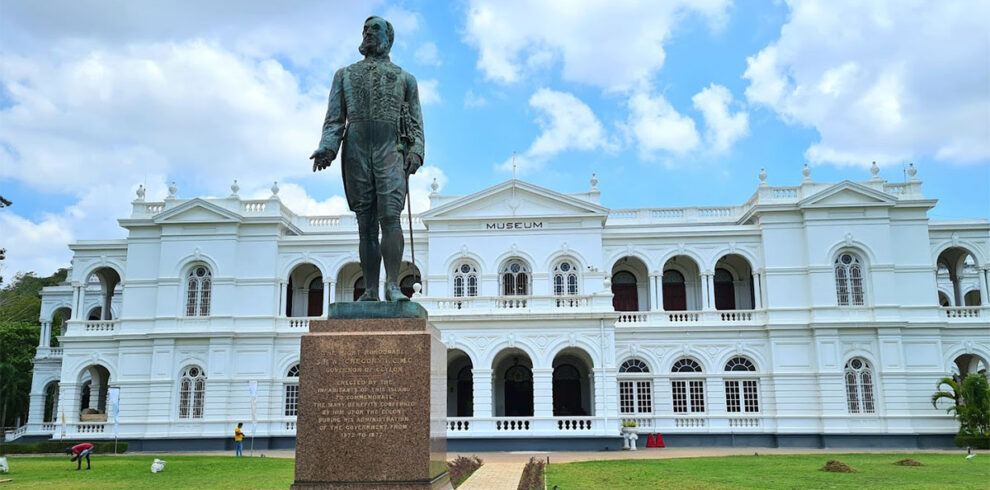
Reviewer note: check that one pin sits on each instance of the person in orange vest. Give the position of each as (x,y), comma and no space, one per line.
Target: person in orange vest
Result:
(239,440)
(79,451)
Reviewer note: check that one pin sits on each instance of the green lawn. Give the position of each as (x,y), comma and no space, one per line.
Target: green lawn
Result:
(134,471)
(784,471)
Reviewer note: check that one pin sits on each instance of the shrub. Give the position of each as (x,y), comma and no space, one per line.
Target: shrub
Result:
(48,447)
(976,442)
(532,476)
(461,468)
(629,423)
(971,407)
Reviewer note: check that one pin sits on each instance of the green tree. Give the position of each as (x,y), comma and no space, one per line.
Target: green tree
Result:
(20,306)
(970,406)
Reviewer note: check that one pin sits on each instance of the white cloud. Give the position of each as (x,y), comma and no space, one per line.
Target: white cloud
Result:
(472,100)
(93,105)
(429,91)
(722,129)
(427,54)
(655,126)
(612,45)
(566,123)
(886,80)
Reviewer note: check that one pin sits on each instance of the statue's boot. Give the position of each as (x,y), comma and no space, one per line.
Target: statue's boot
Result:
(371,295)
(394,293)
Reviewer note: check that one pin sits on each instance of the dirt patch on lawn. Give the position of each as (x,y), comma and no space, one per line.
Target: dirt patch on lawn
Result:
(908,462)
(836,466)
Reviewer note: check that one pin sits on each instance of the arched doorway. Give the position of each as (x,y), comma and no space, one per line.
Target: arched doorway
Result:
(51,402)
(733,283)
(682,288)
(94,380)
(572,386)
(460,384)
(349,281)
(304,294)
(513,384)
(630,286)
(968,364)
(109,279)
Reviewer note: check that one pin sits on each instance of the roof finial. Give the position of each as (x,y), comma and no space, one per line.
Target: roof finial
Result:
(806,172)
(911,171)
(594,181)
(435,186)
(275,189)
(172,190)
(140,192)
(234,188)
(875,170)
(763,176)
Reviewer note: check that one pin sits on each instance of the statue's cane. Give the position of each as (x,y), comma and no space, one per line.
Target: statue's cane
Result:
(412,245)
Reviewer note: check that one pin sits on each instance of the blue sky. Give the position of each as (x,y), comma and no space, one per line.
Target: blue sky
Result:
(675,103)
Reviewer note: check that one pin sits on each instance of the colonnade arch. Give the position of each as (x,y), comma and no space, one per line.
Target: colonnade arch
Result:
(306,293)
(513,384)
(460,384)
(959,276)
(94,381)
(573,383)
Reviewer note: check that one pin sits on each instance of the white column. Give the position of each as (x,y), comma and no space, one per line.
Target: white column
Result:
(653,292)
(660,292)
(82,303)
(333,291)
(757,292)
(326,297)
(74,314)
(706,299)
(282,295)
(483,393)
(107,295)
(542,392)
(46,334)
(984,291)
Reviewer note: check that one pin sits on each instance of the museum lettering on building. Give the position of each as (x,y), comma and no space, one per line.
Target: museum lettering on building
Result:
(810,314)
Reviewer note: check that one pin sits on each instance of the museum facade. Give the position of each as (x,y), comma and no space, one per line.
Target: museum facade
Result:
(818,314)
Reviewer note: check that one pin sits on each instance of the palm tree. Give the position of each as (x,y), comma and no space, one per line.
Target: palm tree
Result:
(953,393)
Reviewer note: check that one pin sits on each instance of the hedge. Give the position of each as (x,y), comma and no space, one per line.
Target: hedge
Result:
(977,442)
(48,447)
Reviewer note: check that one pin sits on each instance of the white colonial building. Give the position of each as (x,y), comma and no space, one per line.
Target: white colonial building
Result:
(816,314)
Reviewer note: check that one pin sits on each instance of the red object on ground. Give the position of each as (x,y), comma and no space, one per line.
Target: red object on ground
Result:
(659,440)
(651,441)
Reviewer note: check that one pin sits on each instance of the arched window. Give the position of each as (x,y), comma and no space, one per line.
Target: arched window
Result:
(192,389)
(565,279)
(859,386)
(849,279)
(635,394)
(688,394)
(741,395)
(634,366)
(465,280)
(515,278)
(292,392)
(199,284)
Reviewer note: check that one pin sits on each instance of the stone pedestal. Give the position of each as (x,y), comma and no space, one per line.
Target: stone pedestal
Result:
(372,400)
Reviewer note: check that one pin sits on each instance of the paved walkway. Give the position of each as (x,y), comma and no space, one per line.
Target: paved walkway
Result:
(495,476)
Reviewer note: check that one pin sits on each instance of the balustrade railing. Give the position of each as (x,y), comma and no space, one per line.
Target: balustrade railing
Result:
(683,317)
(254,206)
(458,425)
(526,304)
(689,422)
(570,424)
(512,424)
(744,422)
(962,311)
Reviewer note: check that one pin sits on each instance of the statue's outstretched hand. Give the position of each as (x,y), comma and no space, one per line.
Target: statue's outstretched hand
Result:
(322,158)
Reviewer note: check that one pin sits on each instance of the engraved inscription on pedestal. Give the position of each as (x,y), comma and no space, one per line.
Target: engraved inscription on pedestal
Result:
(367,405)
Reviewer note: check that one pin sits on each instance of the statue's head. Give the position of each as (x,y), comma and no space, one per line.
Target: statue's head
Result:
(377,37)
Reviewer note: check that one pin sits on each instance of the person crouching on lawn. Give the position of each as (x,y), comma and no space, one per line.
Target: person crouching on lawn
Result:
(80,451)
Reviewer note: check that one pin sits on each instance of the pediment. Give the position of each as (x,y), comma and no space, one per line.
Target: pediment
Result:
(197,211)
(515,198)
(847,194)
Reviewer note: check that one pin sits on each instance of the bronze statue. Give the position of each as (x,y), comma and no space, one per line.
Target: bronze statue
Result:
(374,110)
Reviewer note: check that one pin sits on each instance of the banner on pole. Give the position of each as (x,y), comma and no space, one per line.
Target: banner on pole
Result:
(61,406)
(113,398)
(253,389)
